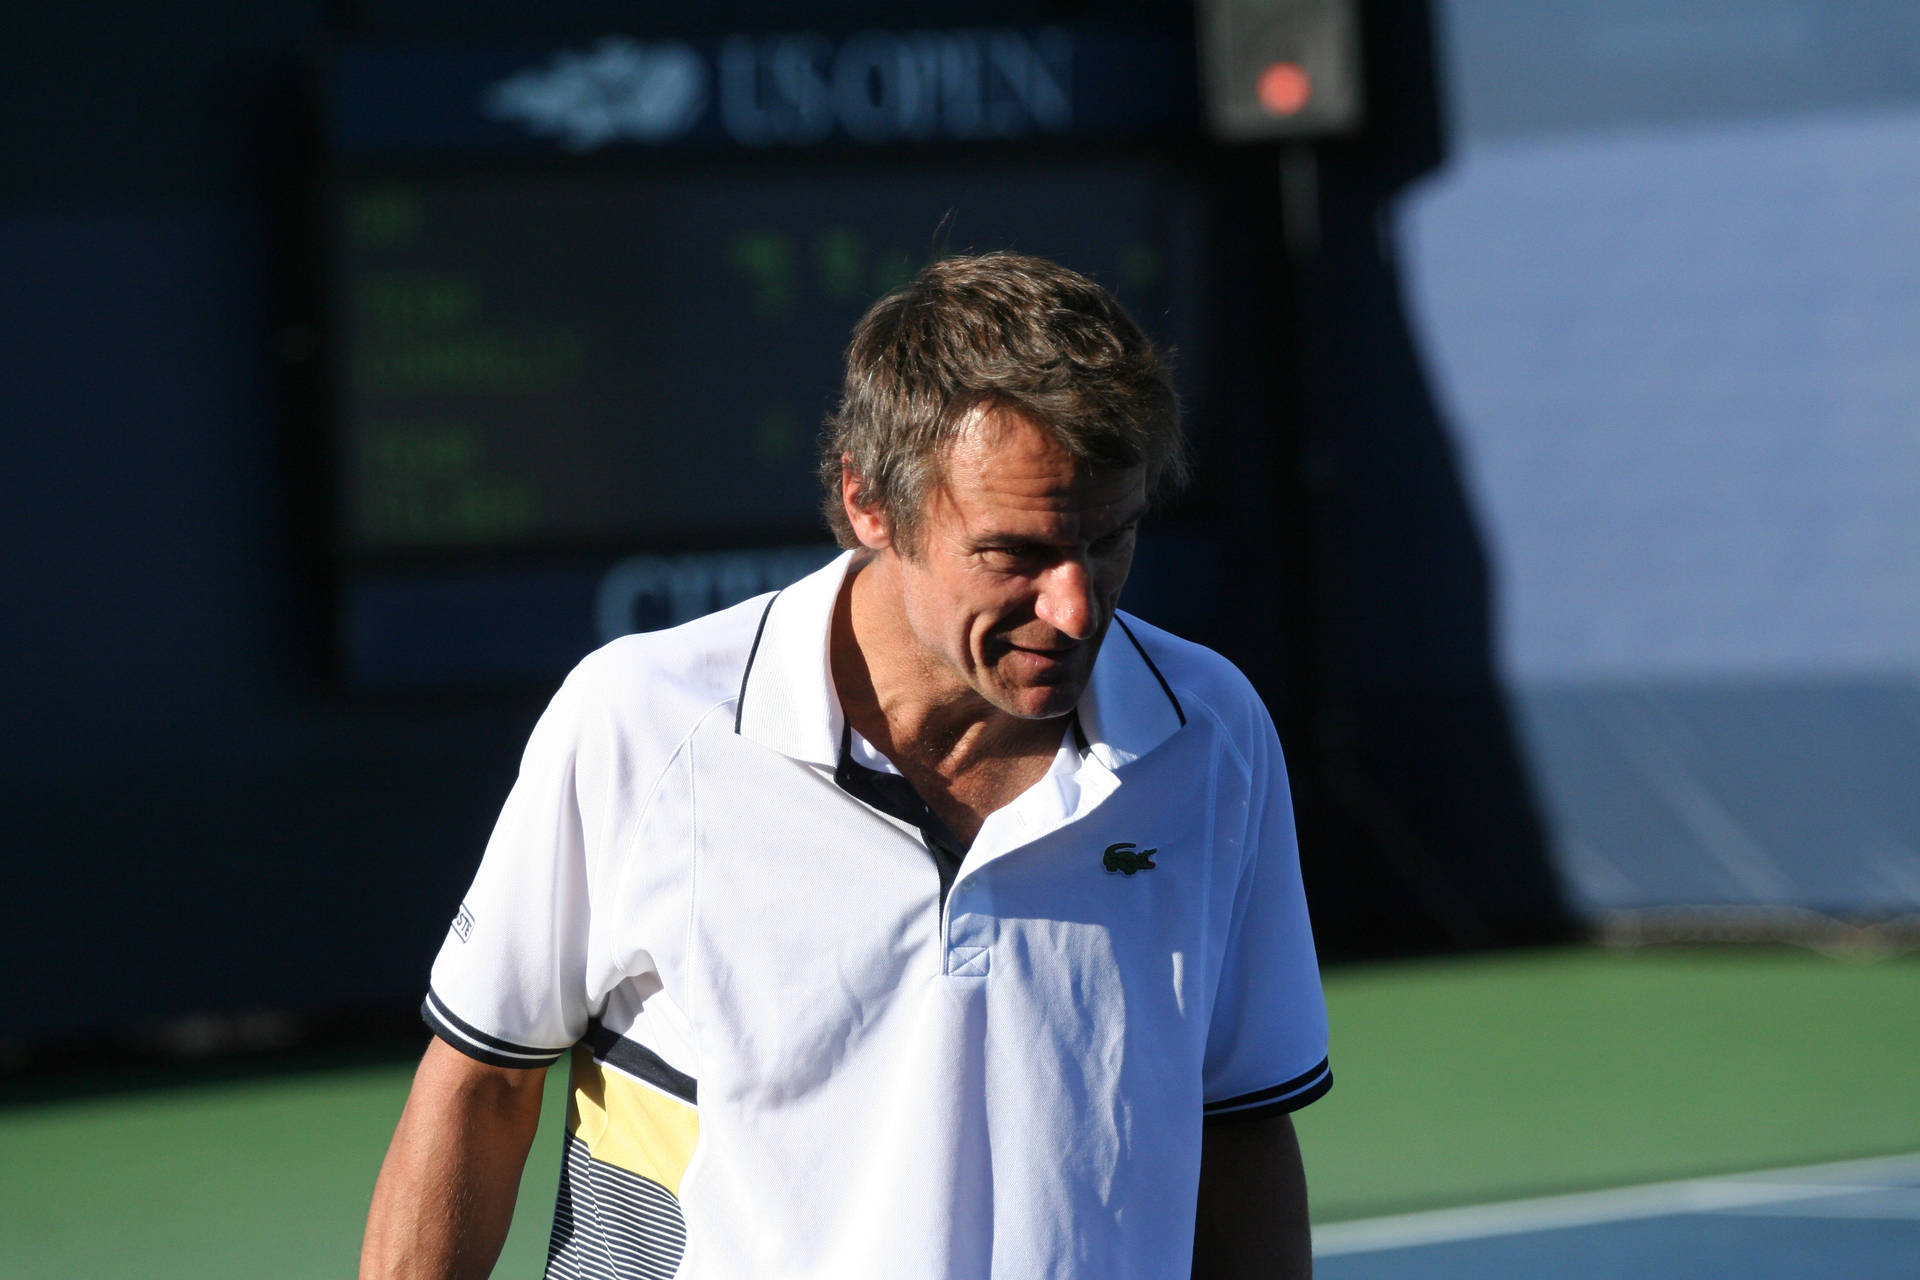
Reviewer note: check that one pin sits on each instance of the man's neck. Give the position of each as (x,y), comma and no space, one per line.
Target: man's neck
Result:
(910,707)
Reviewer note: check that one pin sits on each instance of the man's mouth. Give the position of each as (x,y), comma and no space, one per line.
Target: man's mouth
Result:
(1058,652)
(1044,662)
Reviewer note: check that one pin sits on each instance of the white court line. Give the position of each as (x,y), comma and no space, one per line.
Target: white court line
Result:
(1859,1204)
(1589,1208)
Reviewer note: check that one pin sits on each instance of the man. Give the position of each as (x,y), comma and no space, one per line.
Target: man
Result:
(906,924)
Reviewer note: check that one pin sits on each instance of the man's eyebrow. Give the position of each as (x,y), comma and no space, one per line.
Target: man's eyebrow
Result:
(1001,541)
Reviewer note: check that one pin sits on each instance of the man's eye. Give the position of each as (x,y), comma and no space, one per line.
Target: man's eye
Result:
(1013,557)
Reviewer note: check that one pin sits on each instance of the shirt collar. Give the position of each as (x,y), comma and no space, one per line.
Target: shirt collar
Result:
(1128,708)
(787,699)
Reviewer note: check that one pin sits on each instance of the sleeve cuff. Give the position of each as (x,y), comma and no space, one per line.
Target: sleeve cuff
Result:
(1288,1095)
(477,1044)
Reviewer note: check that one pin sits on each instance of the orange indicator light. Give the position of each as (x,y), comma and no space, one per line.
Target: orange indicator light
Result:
(1284,88)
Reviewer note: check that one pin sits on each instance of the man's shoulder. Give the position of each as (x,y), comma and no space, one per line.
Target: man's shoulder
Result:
(666,681)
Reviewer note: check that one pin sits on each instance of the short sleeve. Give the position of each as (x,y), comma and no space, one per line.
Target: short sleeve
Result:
(509,985)
(1267,1041)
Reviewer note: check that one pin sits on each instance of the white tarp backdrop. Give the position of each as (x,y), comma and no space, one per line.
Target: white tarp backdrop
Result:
(1667,287)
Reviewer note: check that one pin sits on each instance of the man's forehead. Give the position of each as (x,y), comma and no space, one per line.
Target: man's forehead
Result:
(1088,505)
(1000,446)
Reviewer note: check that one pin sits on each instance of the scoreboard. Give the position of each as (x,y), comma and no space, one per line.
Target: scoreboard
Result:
(582,308)
(559,360)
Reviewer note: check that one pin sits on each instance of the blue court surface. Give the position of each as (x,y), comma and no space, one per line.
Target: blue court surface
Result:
(1859,1220)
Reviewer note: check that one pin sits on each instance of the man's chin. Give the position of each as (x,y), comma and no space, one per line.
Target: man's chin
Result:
(1042,702)
(1039,685)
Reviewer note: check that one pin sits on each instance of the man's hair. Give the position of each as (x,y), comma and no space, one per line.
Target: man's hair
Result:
(994,331)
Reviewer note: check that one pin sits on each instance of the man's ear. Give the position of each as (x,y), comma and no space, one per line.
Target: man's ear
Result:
(869,523)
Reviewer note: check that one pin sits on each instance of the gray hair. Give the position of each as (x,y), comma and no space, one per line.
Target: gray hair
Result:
(987,331)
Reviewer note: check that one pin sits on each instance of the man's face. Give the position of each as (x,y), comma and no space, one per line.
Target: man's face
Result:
(1021,555)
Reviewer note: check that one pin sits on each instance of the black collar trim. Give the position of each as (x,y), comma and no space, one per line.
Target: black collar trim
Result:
(740,703)
(894,796)
(1164,686)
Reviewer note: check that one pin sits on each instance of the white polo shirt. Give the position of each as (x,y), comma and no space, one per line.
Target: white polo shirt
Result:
(792,1059)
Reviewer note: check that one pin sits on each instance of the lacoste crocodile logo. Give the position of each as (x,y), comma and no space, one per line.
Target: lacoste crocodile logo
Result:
(1126,859)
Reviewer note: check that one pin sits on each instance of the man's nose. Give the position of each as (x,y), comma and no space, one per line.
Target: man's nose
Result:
(1066,599)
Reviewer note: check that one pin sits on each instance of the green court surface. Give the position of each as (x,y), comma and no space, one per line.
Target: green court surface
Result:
(1496,1077)
(1457,1082)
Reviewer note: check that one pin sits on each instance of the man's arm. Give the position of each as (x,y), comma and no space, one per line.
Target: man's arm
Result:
(1252,1219)
(445,1194)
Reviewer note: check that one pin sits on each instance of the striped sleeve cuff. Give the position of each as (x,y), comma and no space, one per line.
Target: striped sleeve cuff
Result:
(1288,1095)
(477,1044)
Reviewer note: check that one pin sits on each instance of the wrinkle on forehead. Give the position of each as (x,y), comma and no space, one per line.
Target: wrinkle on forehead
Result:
(1003,458)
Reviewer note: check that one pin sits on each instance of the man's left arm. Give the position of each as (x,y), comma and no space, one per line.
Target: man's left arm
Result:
(1252,1216)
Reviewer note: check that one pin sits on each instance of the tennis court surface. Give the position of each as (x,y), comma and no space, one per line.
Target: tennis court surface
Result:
(1859,1219)
(1569,1113)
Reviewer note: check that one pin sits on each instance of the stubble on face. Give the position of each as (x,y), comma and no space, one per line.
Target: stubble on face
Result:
(1002,604)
